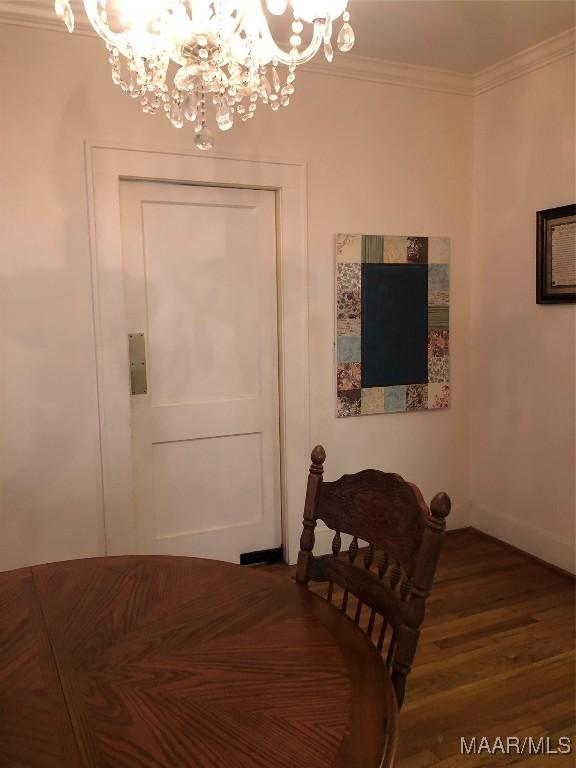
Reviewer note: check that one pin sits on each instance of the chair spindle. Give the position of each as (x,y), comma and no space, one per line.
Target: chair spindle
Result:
(370,627)
(395,575)
(352,554)
(336,546)
(368,559)
(382,565)
(382,634)
(405,588)
(391,649)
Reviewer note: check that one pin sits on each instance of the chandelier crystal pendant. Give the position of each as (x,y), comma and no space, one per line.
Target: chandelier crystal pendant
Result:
(181,57)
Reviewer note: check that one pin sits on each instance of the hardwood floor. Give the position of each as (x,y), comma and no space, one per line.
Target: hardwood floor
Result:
(495,659)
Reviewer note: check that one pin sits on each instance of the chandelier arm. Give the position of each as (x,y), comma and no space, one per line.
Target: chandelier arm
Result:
(112,38)
(243,13)
(276,52)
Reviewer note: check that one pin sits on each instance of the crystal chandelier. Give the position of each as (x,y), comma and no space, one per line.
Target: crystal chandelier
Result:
(177,56)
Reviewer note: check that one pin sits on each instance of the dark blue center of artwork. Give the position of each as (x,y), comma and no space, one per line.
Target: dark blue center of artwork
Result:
(394,324)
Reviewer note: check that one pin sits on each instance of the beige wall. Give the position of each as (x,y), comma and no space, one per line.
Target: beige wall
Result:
(522,355)
(380,159)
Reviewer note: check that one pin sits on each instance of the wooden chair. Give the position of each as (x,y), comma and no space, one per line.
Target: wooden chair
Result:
(396,571)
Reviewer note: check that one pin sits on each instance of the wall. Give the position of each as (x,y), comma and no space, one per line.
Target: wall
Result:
(380,158)
(522,354)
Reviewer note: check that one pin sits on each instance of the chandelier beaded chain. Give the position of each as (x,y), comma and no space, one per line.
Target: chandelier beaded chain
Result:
(223,51)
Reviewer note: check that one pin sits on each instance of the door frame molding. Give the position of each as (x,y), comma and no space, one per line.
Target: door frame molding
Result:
(106,165)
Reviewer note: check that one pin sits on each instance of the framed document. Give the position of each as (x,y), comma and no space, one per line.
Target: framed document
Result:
(556,255)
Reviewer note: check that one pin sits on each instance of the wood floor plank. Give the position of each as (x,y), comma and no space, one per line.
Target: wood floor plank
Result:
(496,658)
(503,657)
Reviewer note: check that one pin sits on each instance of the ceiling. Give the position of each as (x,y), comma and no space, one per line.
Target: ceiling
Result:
(464,36)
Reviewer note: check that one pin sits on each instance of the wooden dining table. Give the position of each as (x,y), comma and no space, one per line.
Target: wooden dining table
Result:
(170,662)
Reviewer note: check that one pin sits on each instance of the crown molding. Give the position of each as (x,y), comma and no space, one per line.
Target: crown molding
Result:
(528,60)
(39,14)
(393,73)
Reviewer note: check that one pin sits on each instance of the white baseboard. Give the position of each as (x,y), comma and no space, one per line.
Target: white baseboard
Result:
(536,541)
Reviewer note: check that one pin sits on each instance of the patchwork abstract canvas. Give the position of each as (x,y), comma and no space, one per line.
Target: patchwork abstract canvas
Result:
(392,323)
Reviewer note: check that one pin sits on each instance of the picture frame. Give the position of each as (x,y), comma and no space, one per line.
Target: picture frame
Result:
(392,324)
(556,255)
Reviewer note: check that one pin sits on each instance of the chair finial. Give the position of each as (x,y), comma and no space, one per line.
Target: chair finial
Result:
(318,455)
(441,505)
(439,510)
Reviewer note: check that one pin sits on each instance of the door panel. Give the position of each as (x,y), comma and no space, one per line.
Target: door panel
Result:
(184,470)
(205,296)
(200,282)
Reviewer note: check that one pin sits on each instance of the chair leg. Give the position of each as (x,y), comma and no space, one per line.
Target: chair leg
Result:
(399,674)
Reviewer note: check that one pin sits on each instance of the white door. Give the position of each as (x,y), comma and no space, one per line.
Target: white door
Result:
(200,285)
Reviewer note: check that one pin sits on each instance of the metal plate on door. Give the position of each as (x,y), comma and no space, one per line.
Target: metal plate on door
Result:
(137,354)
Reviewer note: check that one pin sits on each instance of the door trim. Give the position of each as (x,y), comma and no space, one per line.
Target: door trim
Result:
(106,166)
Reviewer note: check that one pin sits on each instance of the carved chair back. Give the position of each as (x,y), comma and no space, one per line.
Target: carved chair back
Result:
(391,579)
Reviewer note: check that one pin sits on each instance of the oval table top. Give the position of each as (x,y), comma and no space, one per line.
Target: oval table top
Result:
(168,662)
